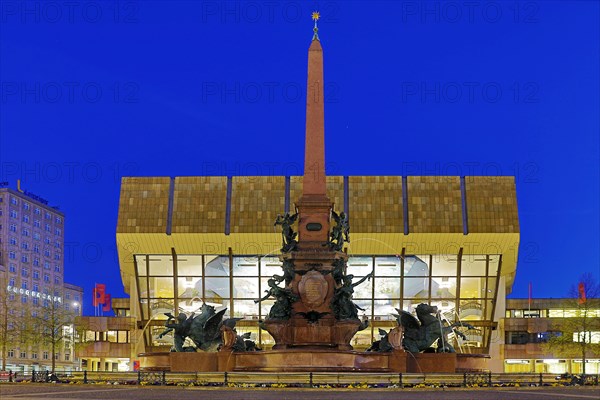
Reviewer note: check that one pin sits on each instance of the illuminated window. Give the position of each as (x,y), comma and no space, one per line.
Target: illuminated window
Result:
(587,337)
(571,313)
(531,313)
(397,283)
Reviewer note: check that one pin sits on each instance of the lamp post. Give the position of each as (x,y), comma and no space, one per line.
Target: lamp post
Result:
(73,354)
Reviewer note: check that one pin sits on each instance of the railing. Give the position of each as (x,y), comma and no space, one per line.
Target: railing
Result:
(308,379)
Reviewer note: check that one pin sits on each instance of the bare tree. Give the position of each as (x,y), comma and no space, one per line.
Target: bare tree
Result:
(52,325)
(15,325)
(579,330)
(7,323)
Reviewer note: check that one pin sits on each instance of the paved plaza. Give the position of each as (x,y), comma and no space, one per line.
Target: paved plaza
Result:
(48,391)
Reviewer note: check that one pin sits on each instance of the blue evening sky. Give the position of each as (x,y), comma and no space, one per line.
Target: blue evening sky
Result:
(95,90)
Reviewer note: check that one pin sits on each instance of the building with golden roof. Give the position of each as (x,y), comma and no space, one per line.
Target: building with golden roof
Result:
(445,240)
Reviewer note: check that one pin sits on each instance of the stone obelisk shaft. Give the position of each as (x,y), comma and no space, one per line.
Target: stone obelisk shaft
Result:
(314,156)
(314,206)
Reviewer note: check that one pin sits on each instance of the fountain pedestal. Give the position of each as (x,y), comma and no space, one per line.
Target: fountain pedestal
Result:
(312,323)
(324,334)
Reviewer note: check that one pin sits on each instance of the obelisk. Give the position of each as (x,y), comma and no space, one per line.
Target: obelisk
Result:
(314,206)
(314,267)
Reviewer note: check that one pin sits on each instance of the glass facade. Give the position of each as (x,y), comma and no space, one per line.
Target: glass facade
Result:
(462,287)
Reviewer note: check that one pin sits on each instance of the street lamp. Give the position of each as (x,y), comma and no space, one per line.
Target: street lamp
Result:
(73,355)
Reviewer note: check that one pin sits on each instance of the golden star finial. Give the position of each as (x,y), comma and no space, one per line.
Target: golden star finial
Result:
(315,17)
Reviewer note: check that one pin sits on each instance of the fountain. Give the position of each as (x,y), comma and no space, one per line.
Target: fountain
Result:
(314,317)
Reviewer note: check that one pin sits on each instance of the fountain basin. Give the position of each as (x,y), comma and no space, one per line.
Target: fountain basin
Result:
(314,360)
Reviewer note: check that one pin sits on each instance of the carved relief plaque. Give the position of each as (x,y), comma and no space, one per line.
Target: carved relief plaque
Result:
(313,289)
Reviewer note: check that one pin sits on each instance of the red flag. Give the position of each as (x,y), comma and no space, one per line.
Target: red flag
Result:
(530,296)
(107,303)
(98,294)
(581,288)
(95,298)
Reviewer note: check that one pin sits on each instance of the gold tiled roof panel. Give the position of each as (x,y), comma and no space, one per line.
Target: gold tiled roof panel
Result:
(492,204)
(434,204)
(143,205)
(376,204)
(199,204)
(255,203)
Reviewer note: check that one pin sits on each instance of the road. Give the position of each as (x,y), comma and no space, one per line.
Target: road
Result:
(80,392)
